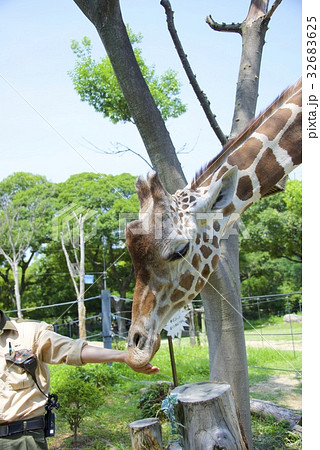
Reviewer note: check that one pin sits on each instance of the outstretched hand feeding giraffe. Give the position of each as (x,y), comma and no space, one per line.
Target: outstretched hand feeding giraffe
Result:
(174,245)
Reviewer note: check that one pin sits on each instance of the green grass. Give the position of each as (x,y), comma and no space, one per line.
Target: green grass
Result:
(108,427)
(271,435)
(273,329)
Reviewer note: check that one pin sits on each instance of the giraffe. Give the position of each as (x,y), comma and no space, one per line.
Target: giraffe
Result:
(175,244)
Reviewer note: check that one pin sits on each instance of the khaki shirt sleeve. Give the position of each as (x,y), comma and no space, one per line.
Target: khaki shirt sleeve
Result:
(53,348)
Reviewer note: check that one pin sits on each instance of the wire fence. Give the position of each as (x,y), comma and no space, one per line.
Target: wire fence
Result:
(285,334)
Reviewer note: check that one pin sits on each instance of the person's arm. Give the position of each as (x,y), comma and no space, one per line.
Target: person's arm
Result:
(92,354)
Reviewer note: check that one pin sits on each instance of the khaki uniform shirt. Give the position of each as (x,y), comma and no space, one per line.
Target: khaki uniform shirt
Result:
(20,398)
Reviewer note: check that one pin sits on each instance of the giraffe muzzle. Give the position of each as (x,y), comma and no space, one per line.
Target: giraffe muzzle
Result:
(142,348)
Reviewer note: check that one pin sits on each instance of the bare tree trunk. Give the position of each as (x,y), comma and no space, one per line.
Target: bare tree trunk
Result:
(81,305)
(15,272)
(221,295)
(224,325)
(192,329)
(77,270)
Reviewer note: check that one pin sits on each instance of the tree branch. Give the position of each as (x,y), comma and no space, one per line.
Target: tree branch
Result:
(228,28)
(204,102)
(118,152)
(272,9)
(69,265)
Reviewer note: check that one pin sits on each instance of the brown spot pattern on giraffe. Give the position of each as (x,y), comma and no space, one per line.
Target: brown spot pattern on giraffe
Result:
(290,142)
(272,126)
(228,209)
(268,171)
(246,155)
(179,306)
(199,284)
(214,261)
(245,188)
(216,226)
(206,271)
(177,295)
(206,251)
(196,261)
(148,304)
(215,242)
(186,281)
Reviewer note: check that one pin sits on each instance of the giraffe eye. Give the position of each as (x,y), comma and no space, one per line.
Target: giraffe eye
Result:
(218,199)
(178,254)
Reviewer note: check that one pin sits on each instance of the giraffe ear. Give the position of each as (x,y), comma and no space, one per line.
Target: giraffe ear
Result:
(219,193)
(227,189)
(143,190)
(159,193)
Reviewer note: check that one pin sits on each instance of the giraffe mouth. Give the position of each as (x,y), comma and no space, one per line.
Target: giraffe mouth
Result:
(142,348)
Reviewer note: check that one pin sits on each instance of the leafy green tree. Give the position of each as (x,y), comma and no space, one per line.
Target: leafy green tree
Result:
(105,197)
(97,84)
(275,224)
(270,260)
(24,218)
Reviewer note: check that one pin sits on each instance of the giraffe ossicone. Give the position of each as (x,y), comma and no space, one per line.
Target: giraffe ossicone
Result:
(175,243)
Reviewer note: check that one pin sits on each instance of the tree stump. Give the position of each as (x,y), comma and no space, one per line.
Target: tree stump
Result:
(146,434)
(208,417)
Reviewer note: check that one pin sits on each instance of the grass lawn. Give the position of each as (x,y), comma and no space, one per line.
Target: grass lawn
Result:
(108,426)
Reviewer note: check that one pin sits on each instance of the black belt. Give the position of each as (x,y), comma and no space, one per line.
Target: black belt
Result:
(21,425)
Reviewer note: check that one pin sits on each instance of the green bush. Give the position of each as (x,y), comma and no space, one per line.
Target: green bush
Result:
(101,375)
(151,399)
(78,395)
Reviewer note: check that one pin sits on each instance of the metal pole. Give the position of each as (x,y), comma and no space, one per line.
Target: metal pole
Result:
(259,315)
(104,262)
(106,318)
(292,337)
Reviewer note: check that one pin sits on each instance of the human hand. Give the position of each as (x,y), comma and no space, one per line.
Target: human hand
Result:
(148,369)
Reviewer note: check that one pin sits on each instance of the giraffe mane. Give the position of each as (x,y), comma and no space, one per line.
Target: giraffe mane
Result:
(218,160)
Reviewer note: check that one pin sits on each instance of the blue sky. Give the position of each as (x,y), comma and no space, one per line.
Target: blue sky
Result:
(44,125)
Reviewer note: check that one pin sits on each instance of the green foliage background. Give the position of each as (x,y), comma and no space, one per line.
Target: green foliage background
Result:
(270,260)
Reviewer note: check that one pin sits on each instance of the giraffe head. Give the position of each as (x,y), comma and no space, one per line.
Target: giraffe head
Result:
(174,247)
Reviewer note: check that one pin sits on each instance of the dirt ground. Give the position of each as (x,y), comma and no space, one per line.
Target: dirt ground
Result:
(285,386)
(277,345)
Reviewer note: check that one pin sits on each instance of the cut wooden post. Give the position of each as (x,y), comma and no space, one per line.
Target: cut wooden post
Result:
(208,417)
(146,434)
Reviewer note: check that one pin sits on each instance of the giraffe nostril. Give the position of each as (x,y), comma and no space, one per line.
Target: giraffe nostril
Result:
(136,339)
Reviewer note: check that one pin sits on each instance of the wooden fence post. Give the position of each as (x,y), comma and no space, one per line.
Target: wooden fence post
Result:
(208,417)
(146,434)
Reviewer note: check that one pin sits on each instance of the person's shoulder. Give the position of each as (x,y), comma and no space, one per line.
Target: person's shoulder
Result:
(35,324)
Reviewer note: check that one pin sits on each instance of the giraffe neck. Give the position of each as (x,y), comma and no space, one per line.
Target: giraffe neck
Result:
(264,153)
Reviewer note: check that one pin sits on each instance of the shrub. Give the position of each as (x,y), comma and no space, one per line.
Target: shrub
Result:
(77,396)
(151,399)
(101,375)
